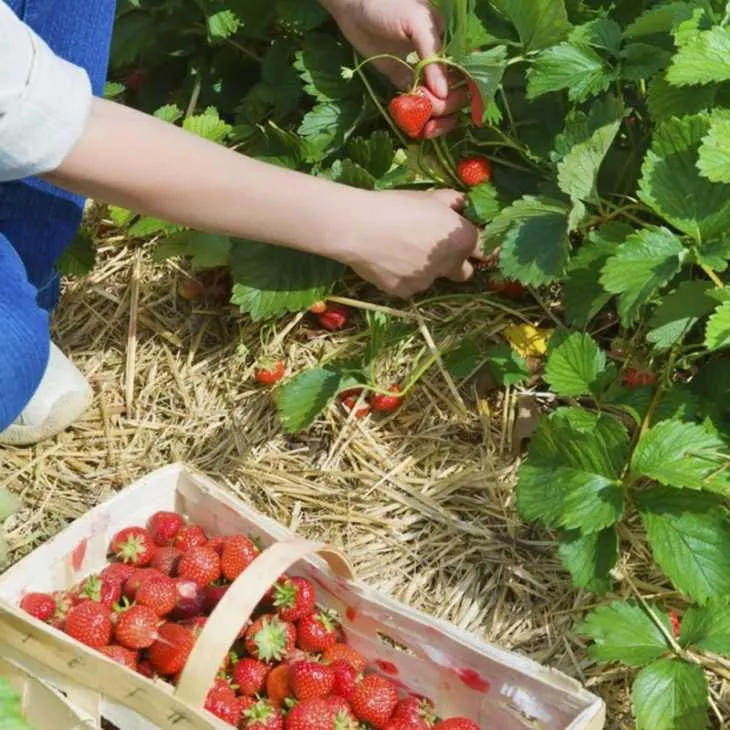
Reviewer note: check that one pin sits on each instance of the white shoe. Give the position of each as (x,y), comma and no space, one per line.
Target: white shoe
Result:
(62,396)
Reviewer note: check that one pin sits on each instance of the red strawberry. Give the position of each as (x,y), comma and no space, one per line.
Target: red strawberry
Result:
(118,572)
(146,669)
(388,403)
(335,317)
(245,703)
(166,560)
(190,536)
(374,700)
(136,627)
(190,289)
(133,545)
(277,685)
(343,713)
(346,678)
(477,103)
(164,527)
(64,603)
(416,709)
(508,288)
(346,652)
(136,579)
(39,605)
(217,543)
(250,676)
(316,632)
(158,593)
(456,723)
(200,565)
(90,623)
(350,404)
(271,374)
(262,716)
(634,378)
(400,723)
(171,650)
(474,171)
(239,551)
(196,625)
(122,655)
(411,113)
(270,639)
(106,590)
(212,596)
(310,680)
(190,600)
(294,598)
(316,714)
(676,623)
(221,701)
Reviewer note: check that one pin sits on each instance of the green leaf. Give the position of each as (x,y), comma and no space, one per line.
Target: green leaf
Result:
(603,34)
(206,250)
(533,233)
(666,101)
(270,281)
(482,204)
(689,536)
(376,153)
(707,627)
(461,361)
(169,113)
(113,89)
(643,264)
(578,170)
(300,400)
(670,694)
(576,366)
(486,68)
(319,64)
(9,504)
(714,159)
(625,632)
(539,23)
(327,127)
(350,173)
(301,16)
(579,69)
(79,257)
(717,335)
(571,475)
(672,185)
(147,226)
(584,294)
(11,712)
(641,61)
(678,313)
(682,455)
(702,58)
(208,125)
(661,19)
(589,558)
(223,24)
(277,147)
(678,403)
(506,365)
(714,254)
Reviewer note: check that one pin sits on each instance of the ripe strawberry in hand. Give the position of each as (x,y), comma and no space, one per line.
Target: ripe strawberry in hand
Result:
(270,639)
(121,655)
(474,171)
(39,605)
(335,317)
(164,527)
(310,680)
(316,632)
(250,676)
(239,551)
(456,723)
(262,716)
(90,623)
(189,537)
(388,403)
(170,652)
(136,627)
(294,598)
(271,373)
(375,700)
(158,593)
(200,565)
(411,113)
(133,545)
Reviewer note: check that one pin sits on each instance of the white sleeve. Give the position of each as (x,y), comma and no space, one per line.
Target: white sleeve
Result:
(44,102)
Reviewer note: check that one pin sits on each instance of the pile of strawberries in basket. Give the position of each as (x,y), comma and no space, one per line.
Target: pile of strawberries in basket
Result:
(290,668)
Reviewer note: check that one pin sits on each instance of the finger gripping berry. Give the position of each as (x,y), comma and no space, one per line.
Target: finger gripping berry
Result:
(411,113)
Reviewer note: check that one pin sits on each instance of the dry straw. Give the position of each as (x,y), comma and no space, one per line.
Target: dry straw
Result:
(422,502)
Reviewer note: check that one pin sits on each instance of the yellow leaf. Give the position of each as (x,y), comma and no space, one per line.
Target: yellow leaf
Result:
(526,340)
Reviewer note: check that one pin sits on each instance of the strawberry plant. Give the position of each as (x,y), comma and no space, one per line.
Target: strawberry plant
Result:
(11,712)
(595,154)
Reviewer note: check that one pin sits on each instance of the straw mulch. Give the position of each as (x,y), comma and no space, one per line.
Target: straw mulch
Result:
(421,501)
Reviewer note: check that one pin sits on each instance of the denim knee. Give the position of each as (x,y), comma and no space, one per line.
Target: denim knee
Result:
(24,336)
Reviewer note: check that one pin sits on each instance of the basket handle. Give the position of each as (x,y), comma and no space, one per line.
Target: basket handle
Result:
(237,606)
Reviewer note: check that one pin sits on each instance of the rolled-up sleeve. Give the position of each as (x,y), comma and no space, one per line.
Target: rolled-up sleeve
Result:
(44,102)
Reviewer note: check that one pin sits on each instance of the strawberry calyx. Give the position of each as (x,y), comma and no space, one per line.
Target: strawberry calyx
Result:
(260,712)
(131,549)
(271,640)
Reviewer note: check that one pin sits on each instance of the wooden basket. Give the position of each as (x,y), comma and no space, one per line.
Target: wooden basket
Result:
(499,690)
(44,708)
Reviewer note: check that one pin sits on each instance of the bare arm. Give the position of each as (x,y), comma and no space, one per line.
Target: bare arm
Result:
(401,242)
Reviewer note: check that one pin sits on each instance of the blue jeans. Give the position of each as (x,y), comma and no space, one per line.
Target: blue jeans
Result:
(38,220)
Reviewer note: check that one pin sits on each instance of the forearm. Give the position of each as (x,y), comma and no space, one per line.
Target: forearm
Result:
(139,162)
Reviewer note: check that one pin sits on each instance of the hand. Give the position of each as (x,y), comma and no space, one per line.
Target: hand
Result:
(399,27)
(402,241)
